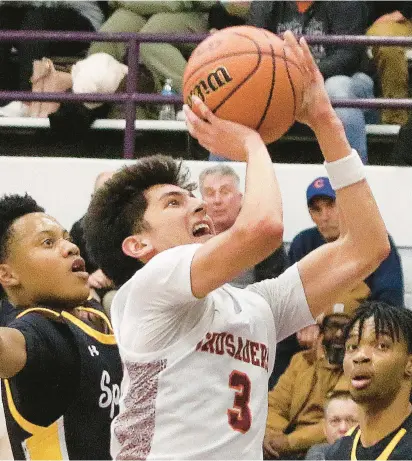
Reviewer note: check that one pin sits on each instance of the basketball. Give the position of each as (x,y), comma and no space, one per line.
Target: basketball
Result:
(243,75)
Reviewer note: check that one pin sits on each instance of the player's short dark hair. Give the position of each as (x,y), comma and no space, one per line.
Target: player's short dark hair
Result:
(394,320)
(116,211)
(13,207)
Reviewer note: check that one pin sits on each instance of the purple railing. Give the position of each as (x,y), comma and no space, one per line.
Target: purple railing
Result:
(131,97)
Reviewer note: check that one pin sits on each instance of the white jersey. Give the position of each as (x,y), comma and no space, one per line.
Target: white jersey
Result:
(196,370)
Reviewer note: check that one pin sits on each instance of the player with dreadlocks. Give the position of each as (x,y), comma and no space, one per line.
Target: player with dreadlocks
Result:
(378,363)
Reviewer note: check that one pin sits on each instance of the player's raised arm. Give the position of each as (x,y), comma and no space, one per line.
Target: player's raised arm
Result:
(258,229)
(12,352)
(336,267)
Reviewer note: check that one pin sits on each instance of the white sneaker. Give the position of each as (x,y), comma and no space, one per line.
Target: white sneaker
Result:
(14,109)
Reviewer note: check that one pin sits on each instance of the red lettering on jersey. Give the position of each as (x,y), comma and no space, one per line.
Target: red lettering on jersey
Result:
(246,352)
(254,347)
(230,346)
(220,343)
(264,359)
(208,345)
(239,348)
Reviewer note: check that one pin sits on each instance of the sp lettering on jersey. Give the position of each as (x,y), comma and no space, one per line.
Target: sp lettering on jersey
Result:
(93,350)
(110,395)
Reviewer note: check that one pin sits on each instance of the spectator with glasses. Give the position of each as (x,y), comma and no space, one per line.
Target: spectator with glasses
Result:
(295,415)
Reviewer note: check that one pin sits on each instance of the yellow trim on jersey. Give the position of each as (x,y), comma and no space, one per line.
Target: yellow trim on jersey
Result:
(38,309)
(386,452)
(101,337)
(21,421)
(100,314)
(351,430)
(49,443)
(46,442)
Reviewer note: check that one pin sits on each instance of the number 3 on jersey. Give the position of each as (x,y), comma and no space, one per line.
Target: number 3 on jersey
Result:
(240,416)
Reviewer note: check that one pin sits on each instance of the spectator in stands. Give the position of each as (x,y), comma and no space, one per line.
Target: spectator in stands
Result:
(341,413)
(220,189)
(41,15)
(295,412)
(391,19)
(385,284)
(60,366)
(402,151)
(98,281)
(158,61)
(340,65)
(378,365)
(227,14)
(163,60)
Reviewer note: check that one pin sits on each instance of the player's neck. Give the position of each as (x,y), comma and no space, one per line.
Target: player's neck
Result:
(376,423)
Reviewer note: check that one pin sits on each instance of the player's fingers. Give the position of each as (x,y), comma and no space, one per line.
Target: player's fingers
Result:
(291,42)
(205,112)
(193,122)
(308,58)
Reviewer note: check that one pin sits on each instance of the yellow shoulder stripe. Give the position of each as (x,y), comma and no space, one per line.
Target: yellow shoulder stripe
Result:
(21,421)
(101,337)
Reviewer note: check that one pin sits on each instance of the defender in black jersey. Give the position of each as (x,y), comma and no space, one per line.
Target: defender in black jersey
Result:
(59,362)
(378,363)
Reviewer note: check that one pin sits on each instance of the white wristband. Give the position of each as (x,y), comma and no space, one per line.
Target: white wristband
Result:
(345,171)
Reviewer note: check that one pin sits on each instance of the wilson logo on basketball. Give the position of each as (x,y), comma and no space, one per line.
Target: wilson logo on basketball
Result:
(215,80)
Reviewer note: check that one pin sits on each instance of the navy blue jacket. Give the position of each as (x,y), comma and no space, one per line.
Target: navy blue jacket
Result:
(385,284)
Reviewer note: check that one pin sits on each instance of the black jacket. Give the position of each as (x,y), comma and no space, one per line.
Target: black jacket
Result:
(331,18)
(378,9)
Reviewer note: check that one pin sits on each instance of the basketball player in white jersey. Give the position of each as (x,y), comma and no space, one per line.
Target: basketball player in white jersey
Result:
(197,351)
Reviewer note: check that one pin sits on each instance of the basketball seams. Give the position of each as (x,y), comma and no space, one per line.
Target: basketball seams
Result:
(242,53)
(272,85)
(248,59)
(253,71)
(292,85)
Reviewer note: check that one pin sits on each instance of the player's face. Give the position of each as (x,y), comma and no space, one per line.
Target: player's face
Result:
(45,263)
(324,213)
(223,200)
(175,217)
(376,366)
(341,415)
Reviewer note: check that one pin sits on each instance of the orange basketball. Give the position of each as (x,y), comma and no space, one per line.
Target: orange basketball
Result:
(243,75)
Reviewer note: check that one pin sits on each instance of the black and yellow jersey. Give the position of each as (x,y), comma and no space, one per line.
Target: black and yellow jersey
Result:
(61,404)
(396,445)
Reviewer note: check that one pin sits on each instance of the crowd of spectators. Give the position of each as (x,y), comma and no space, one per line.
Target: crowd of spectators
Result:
(318,369)
(350,72)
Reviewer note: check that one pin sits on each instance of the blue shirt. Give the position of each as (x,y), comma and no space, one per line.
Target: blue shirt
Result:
(385,284)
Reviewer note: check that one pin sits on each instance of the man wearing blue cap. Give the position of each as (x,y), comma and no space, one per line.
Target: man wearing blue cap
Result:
(385,284)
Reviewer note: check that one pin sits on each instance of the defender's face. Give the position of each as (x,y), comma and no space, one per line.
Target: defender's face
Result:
(223,200)
(325,214)
(375,365)
(175,217)
(46,263)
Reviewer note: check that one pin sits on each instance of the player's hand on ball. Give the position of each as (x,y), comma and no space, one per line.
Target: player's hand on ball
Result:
(316,103)
(217,135)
